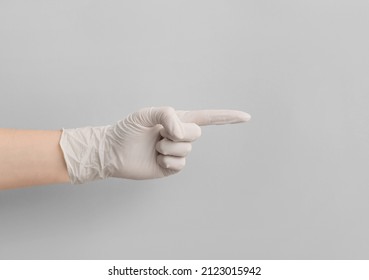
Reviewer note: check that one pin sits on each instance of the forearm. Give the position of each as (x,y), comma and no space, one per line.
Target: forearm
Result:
(31,157)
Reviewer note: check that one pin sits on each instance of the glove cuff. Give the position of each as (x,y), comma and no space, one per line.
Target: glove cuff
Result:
(84,152)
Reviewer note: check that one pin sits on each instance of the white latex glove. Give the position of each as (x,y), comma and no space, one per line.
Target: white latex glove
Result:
(150,143)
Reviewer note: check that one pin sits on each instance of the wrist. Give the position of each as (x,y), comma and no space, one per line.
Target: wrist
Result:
(84,153)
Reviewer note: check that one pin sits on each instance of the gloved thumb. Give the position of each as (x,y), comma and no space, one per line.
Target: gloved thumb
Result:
(165,116)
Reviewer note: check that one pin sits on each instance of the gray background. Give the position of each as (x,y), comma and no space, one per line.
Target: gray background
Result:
(293,183)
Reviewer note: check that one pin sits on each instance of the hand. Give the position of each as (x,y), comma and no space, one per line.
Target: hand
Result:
(150,143)
(154,142)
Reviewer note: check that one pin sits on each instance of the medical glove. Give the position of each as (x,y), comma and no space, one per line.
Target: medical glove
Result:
(150,143)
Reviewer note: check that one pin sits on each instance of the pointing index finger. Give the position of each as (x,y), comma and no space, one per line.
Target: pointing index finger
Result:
(213,117)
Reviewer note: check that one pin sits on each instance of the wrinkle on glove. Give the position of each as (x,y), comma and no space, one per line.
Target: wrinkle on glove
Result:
(84,153)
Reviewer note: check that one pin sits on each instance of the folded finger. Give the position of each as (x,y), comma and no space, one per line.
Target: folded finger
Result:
(169,147)
(191,132)
(171,162)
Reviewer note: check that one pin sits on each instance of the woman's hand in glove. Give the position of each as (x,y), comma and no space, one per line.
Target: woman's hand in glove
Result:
(150,143)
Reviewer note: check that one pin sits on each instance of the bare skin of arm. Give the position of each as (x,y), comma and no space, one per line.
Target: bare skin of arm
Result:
(31,157)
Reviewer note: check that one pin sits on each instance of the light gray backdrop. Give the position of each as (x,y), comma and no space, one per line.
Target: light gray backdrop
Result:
(293,183)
